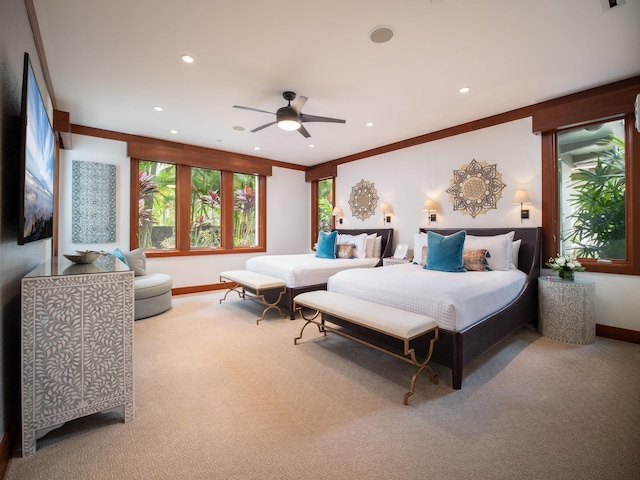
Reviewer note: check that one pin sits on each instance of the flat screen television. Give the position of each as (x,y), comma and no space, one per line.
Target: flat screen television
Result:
(37,158)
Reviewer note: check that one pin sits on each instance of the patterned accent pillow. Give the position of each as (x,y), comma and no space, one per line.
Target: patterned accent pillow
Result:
(424,256)
(345,250)
(476,260)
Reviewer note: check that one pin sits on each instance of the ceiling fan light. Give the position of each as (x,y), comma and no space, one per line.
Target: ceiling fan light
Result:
(289,124)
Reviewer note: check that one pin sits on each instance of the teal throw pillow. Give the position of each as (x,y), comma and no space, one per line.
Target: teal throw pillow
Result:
(444,253)
(118,254)
(327,244)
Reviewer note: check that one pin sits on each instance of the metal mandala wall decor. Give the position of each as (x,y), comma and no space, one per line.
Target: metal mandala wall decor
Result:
(363,200)
(475,188)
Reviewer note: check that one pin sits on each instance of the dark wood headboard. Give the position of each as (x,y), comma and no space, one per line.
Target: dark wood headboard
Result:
(385,233)
(529,257)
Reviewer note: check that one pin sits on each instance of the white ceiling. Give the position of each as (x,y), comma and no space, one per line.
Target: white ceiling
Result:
(111,61)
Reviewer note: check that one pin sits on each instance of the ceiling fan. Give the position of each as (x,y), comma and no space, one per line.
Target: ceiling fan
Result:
(291,116)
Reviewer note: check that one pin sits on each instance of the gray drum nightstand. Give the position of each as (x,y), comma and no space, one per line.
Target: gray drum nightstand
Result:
(567,309)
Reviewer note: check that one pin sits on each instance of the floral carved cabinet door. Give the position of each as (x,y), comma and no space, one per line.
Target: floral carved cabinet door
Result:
(77,347)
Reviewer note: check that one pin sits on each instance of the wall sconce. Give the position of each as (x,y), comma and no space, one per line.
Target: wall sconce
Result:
(338,213)
(386,212)
(522,197)
(427,207)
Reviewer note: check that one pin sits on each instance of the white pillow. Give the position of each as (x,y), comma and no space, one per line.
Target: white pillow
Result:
(500,248)
(359,242)
(377,247)
(371,240)
(419,241)
(515,251)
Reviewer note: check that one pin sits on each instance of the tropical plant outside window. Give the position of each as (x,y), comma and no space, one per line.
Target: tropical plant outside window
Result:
(592,198)
(157,205)
(206,202)
(245,226)
(325,204)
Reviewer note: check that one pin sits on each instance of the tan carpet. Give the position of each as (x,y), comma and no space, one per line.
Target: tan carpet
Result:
(219,397)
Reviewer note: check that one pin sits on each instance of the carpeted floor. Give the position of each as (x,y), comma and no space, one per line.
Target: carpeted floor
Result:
(219,397)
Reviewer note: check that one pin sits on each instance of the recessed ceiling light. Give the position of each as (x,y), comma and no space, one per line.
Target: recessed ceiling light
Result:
(174,131)
(256,148)
(311,145)
(381,34)
(238,128)
(464,89)
(186,58)
(369,124)
(158,108)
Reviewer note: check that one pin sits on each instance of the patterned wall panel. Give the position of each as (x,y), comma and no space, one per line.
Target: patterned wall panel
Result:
(93,202)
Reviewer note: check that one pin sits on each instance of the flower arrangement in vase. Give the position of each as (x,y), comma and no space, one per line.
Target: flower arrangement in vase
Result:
(565,265)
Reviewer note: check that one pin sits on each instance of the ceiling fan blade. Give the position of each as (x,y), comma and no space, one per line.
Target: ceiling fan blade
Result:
(303,132)
(298,103)
(262,126)
(314,118)
(252,109)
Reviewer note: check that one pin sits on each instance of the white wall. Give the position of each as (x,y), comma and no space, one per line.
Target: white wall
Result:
(406,178)
(288,215)
(98,150)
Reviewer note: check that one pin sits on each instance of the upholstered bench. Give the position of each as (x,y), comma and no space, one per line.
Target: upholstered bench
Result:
(388,321)
(253,285)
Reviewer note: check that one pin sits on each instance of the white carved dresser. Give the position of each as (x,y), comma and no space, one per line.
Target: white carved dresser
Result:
(77,343)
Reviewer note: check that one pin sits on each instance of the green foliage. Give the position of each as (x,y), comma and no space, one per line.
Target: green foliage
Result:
(146,220)
(598,196)
(244,216)
(325,204)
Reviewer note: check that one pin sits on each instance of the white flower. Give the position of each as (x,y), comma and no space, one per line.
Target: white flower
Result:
(560,261)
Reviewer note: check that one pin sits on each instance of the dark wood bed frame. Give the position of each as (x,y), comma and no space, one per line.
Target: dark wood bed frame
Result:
(457,349)
(387,246)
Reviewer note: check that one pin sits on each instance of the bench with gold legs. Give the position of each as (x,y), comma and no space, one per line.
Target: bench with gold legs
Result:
(388,321)
(254,285)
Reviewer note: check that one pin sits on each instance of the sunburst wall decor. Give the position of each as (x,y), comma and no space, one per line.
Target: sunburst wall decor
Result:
(475,188)
(363,200)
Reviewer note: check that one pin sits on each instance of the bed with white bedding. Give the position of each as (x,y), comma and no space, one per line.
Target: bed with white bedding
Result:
(300,270)
(475,310)
(455,300)
(306,272)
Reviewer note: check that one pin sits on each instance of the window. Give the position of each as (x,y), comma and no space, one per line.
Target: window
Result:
(592,200)
(325,205)
(591,179)
(185,209)
(322,202)
(245,228)
(205,208)
(157,205)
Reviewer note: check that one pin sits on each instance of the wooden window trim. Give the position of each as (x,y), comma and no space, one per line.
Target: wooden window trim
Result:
(183,243)
(315,230)
(577,111)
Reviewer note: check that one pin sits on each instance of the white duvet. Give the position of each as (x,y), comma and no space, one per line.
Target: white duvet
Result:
(455,300)
(302,270)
